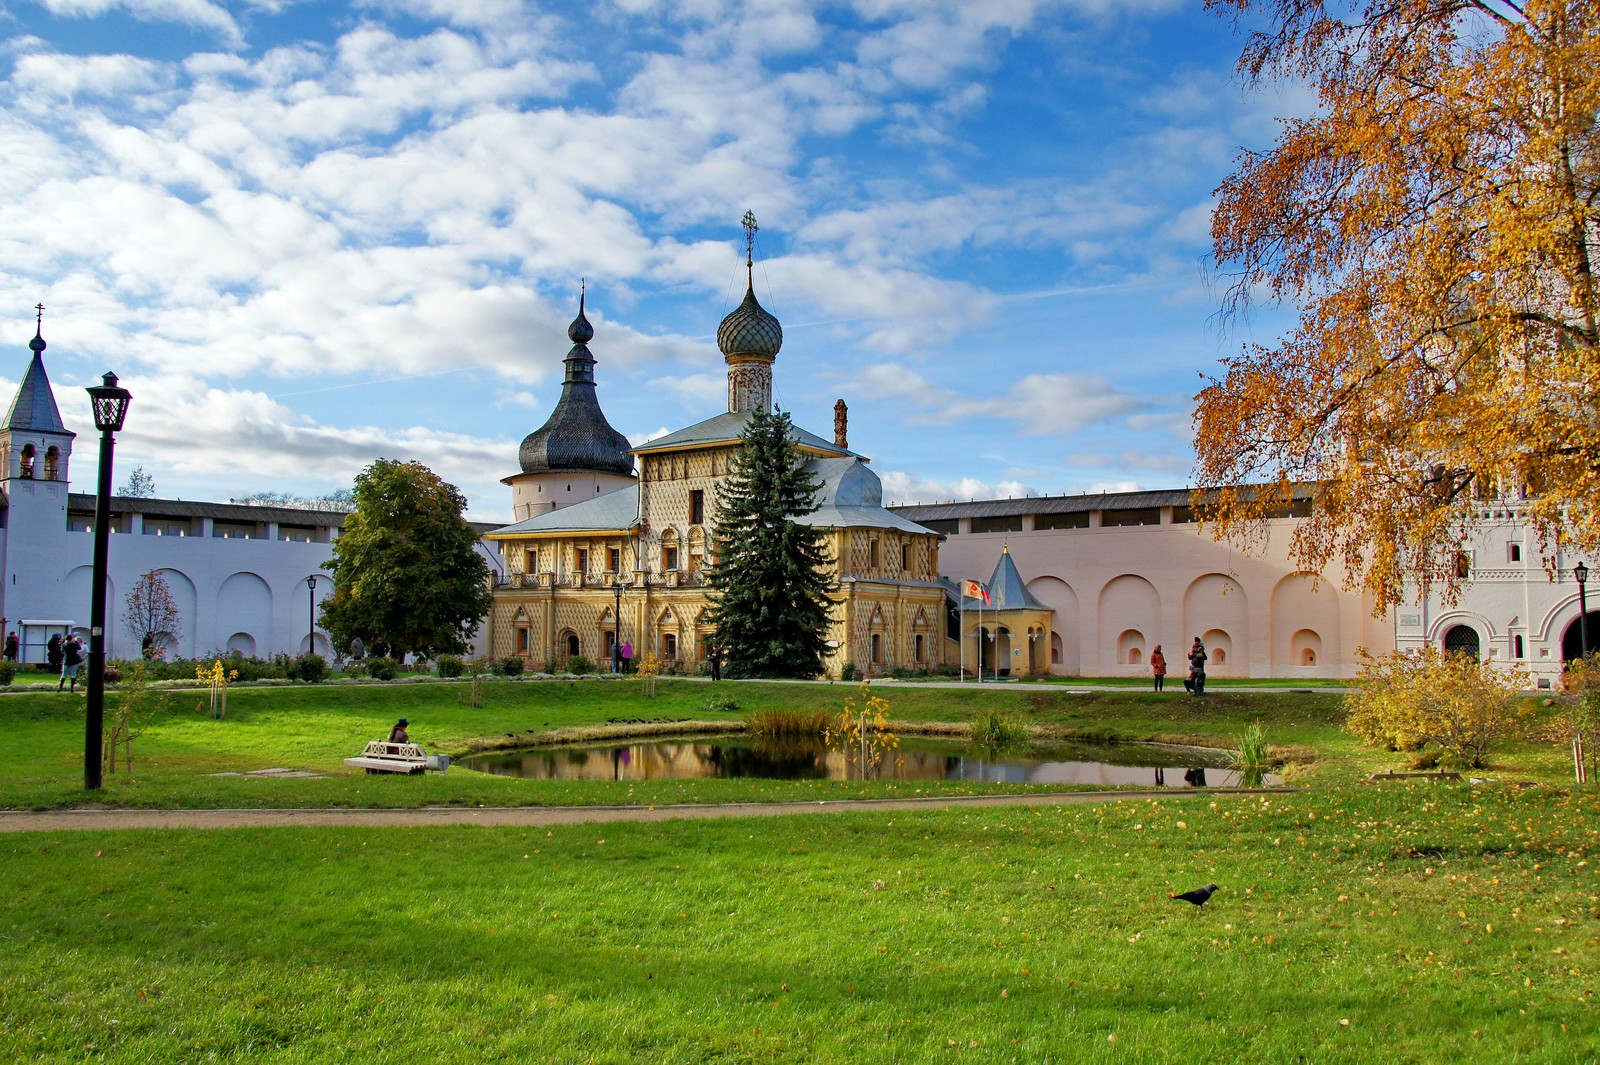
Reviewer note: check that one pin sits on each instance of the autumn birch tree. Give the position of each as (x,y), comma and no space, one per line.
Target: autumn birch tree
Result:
(1435,221)
(150,614)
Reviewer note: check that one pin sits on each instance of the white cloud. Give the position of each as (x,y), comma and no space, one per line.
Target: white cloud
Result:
(197,13)
(1039,404)
(67,77)
(902,487)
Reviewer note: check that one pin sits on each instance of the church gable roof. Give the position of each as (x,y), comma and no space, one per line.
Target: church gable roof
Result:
(726,428)
(607,513)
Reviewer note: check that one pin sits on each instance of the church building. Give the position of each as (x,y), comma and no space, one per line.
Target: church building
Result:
(612,541)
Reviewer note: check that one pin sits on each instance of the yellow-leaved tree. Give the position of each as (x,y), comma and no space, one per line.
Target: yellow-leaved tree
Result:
(1436,222)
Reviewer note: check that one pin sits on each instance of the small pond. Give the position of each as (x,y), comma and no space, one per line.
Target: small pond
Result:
(917,758)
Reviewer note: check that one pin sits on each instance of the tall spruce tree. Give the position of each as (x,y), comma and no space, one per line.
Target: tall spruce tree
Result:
(769,591)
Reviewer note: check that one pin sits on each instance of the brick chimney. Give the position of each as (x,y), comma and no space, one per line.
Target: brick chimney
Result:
(841,416)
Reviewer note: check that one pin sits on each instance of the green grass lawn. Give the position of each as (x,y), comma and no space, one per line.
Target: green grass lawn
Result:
(1362,923)
(1356,922)
(315,727)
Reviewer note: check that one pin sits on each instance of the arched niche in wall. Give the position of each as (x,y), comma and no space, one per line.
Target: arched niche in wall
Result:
(1058,595)
(1127,603)
(244,605)
(1216,609)
(1303,601)
(76,589)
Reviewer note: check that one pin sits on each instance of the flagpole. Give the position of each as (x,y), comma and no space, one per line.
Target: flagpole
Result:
(961,643)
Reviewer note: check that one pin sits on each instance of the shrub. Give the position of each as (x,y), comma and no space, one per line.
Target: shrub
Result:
(510,665)
(1447,708)
(848,671)
(111,673)
(719,704)
(248,668)
(8,671)
(382,668)
(311,668)
(578,664)
(451,666)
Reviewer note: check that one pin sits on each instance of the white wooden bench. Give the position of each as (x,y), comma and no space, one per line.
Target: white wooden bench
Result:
(382,756)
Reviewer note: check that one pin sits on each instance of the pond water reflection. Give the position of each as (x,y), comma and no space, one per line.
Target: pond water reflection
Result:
(918,758)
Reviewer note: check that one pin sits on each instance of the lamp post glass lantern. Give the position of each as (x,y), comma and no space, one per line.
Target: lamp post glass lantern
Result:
(1581,572)
(616,631)
(311,614)
(109,402)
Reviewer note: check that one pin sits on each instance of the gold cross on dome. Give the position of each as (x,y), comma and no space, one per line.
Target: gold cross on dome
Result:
(750,227)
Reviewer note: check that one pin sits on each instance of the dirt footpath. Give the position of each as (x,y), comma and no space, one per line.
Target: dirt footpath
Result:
(104,819)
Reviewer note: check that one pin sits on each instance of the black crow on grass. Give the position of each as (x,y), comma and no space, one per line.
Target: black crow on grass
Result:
(1198,896)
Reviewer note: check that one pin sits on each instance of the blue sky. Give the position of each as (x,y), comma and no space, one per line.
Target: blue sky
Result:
(308,235)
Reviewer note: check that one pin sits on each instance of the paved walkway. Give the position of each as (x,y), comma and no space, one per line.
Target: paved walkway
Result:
(530,816)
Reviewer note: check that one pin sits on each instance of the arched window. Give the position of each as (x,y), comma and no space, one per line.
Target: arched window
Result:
(1219,657)
(26,472)
(52,464)
(573,647)
(1462,639)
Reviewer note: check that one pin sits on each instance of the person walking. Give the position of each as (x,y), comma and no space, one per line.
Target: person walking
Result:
(71,659)
(52,653)
(714,657)
(1158,667)
(12,646)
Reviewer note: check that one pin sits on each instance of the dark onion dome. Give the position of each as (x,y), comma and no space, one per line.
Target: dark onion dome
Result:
(577,438)
(750,330)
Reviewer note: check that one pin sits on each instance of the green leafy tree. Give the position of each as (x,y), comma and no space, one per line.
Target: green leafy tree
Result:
(769,588)
(406,569)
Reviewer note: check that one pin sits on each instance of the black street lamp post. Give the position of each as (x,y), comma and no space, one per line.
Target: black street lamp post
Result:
(110,405)
(616,634)
(1581,572)
(311,614)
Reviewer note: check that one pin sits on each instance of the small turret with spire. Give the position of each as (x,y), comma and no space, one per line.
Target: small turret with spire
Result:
(34,440)
(749,339)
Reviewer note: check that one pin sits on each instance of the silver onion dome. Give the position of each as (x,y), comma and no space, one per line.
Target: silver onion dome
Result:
(750,330)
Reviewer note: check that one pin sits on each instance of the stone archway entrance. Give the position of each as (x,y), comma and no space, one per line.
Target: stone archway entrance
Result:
(1572,639)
